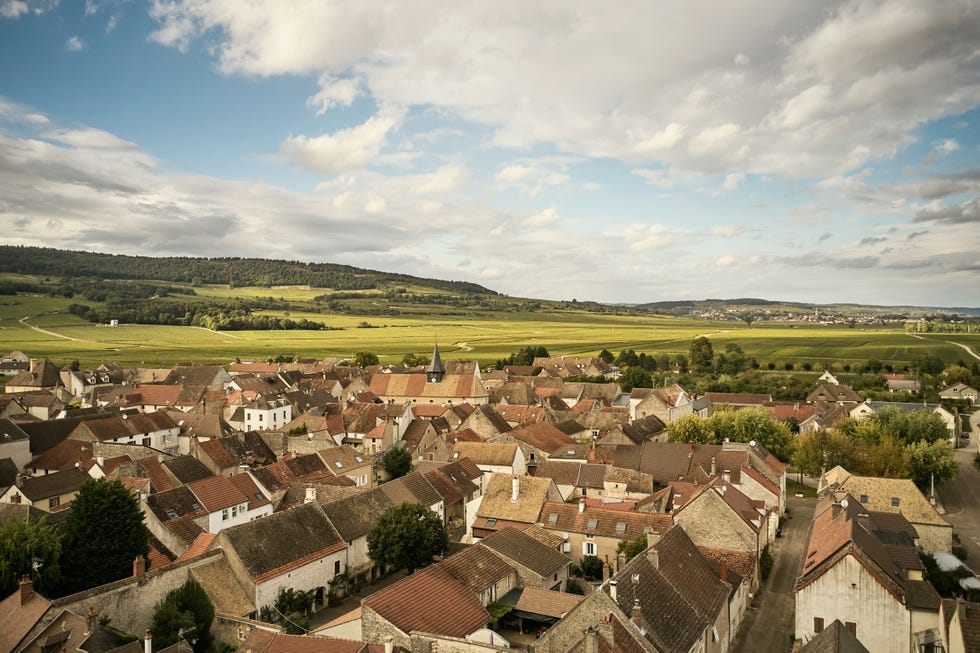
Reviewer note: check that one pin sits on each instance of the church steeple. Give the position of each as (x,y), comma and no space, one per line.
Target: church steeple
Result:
(436,370)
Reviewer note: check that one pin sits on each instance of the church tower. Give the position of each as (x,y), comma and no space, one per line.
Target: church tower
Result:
(436,370)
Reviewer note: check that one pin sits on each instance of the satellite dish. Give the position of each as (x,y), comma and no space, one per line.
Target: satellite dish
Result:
(843,504)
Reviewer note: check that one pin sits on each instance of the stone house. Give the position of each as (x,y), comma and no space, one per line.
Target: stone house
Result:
(959,390)
(49,493)
(155,430)
(297,548)
(862,569)
(537,564)
(492,457)
(353,516)
(511,500)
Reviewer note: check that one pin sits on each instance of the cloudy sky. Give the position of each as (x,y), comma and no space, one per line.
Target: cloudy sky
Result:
(625,152)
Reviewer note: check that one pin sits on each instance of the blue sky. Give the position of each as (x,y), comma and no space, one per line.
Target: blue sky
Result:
(814,152)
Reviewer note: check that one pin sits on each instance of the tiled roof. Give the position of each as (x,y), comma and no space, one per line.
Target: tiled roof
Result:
(543,436)
(37,488)
(187,469)
(217,493)
(175,503)
(197,547)
(463,435)
(591,476)
(477,568)
(618,524)
(741,562)
(496,502)
(184,528)
(526,550)
(486,453)
(880,492)
(737,398)
(411,488)
(457,386)
(355,515)
(63,455)
(270,546)
(457,613)
(562,473)
(543,602)
(227,595)
(834,638)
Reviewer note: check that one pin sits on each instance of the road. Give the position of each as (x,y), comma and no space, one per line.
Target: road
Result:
(960,497)
(769,624)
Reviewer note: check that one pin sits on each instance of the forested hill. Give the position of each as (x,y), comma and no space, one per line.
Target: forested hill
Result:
(236,271)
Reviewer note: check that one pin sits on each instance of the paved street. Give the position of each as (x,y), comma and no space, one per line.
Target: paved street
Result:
(960,498)
(768,624)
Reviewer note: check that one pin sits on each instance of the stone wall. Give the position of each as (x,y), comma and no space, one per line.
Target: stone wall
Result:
(375,629)
(128,603)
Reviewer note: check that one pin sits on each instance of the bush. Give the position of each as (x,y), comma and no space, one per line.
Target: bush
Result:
(765,563)
(591,568)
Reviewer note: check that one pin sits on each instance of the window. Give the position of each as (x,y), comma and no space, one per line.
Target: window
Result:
(553,518)
(817,624)
(234,511)
(54,502)
(592,524)
(336,566)
(491,523)
(224,515)
(146,442)
(620,528)
(15,499)
(864,498)
(895,501)
(588,548)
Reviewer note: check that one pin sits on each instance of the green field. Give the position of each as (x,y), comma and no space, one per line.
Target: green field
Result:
(484,336)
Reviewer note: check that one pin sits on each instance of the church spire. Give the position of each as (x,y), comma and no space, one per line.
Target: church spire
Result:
(436,370)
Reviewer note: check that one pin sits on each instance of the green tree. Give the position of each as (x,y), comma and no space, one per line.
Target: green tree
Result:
(29,548)
(607,356)
(291,609)
(185,611)
(632,548)
(398,462)
(701,354)
(822,450)
(591,567)
(407,536)
(414,360)
(690,428)
(931,461)
(364,359)
(103,534)
(748,318)
(635,377)
(887,458)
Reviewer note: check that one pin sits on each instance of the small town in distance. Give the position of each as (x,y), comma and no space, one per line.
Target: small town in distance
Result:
(543,503)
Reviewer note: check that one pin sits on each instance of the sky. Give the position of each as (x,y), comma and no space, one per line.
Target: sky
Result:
(617,152)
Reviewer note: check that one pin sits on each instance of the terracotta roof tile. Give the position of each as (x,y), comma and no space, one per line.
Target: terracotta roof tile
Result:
(622,525)
(217,493)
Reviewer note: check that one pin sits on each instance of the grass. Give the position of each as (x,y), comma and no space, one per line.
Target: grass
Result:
(793,487)
(482,334)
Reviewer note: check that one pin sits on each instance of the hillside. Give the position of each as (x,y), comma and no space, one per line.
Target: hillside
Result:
(235,271)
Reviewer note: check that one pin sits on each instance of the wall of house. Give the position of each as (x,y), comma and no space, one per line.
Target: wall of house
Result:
(935,537)
(310,576)
(567,633)
(847,591)
(358,559)
(424,643)
(710,522)
(127,603)
(375,629)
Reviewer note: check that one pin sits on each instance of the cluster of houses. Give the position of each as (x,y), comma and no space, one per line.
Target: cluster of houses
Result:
(259,478)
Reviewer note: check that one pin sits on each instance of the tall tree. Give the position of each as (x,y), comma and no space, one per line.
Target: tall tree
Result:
(102,536)
(29,548)
(701,354)
(407,536)
(364,359)
(186,611)
(398,462)
(930,462)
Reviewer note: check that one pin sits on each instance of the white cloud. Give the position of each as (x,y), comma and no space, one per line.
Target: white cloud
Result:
(345,149)
(532,176)
(593,186)
(74,44)
(334,92)
(548,216)
(800,105)
(514,173)
(664,139)
(947,145)
(734,181)
(13,8)
(447,178)
(729,231)
(726,261)
(656,177)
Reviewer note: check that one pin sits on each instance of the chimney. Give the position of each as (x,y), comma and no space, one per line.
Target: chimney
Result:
(605,569)
(147,643)
(515,489)
(389,646)
(714,470)
(19,480)
(581,505)
(100,460)
(310,495)
(620,560)
(139,568)
(653,557)
(33,366)
(591,639)
(26,589)
(637,615)
(723,571)
(612,590)
(90,620)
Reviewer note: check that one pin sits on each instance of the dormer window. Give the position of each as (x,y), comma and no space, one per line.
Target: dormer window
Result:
(895,501)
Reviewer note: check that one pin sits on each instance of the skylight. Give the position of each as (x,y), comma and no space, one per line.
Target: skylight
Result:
(621,527)
(339,464)
(553,518)
(592,524)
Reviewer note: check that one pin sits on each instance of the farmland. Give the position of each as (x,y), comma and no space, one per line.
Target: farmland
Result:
(376,322)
